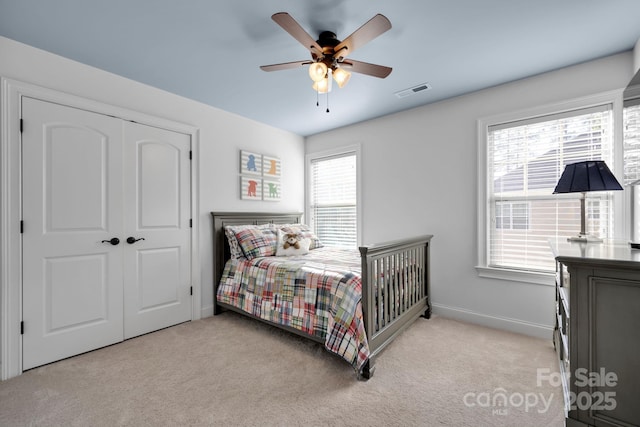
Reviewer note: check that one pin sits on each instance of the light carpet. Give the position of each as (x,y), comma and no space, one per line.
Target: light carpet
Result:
(232,371)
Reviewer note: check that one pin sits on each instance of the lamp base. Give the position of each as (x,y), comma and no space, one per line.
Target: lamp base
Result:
(585,238)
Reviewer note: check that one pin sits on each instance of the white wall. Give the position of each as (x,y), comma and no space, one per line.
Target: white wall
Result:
(636,57)
(222,134)
(419,170)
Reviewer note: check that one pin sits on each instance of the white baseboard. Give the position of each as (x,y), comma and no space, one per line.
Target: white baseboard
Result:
(512,325)
(206,311)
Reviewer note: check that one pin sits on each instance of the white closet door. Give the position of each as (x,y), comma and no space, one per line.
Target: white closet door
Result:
(157,276)
(87,179)
(72,201)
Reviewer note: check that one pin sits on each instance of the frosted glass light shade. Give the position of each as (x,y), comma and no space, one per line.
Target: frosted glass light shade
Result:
(322,86)
(317,71)
(341,76)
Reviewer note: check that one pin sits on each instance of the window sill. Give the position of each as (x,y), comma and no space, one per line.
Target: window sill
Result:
(533,277)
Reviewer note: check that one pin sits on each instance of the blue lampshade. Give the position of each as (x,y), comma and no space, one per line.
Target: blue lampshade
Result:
(590,175)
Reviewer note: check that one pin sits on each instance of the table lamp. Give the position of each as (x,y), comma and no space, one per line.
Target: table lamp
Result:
(580,177)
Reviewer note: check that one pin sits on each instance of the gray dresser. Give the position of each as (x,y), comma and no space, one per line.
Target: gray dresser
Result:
(597,334)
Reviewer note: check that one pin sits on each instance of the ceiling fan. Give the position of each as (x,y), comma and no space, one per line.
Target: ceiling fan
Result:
(328,54)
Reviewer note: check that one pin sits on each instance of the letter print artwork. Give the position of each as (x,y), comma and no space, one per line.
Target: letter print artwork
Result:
(259,176)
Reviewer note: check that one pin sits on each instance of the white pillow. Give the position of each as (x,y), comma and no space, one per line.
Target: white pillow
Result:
(291,244)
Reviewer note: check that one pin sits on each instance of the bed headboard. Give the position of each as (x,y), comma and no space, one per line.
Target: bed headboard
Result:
(221,219)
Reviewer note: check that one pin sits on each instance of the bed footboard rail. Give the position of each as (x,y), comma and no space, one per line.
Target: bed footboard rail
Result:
(395,287)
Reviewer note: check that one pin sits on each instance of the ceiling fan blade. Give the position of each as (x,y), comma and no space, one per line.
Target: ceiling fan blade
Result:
(284,66)
(365,68)
(292,27)
(369,31)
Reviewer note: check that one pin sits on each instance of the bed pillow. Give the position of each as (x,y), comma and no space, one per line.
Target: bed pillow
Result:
(290,243)
(251,240)
(306,233)
(257,241)
(235,251)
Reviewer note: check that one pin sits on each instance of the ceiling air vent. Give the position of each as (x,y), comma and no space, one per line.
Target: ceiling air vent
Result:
(413,90)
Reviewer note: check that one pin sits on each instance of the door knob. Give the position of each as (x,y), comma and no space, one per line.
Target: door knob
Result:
(131,240)
(114,241)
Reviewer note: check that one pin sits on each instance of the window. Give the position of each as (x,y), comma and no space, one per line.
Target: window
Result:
(631,132)
(332,197)
(512,215)
(522,160)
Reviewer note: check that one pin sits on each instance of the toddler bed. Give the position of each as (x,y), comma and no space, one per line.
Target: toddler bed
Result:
(353,302)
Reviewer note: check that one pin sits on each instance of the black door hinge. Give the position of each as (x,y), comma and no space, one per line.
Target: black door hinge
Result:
(190,154)
(191,223)
(22,328)
(21,226)
(21,125)
(191,291)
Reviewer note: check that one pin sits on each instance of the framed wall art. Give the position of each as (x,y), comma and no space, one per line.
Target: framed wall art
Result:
(270,190)
(250,188)
(271,167)
(250,163)
(260,177)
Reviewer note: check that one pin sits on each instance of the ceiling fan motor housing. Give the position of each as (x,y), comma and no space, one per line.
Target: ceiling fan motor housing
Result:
(328,41)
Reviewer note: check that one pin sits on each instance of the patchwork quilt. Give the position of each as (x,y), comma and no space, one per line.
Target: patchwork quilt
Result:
(318,293)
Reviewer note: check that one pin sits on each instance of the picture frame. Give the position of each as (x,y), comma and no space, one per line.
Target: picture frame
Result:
(271,167)
(250,188)
(260,176)
(271,190)
(250,163)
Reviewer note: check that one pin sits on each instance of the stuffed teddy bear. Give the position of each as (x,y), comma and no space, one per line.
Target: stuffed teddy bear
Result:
(291,240)
(291,243)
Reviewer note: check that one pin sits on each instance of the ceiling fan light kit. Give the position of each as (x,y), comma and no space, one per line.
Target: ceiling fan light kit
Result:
(328,53)
(341,76)
(324,85)
(317,71)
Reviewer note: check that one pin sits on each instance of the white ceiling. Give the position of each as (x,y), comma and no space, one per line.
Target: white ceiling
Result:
(211,50)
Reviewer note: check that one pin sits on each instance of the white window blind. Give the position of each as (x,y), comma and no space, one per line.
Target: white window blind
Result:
(333,200)
(631,131)
(525,161)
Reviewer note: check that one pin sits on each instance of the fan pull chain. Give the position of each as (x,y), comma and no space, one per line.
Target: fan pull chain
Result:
(317,97)
(327,102)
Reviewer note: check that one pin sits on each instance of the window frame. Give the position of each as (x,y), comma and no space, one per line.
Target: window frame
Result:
(621,202)
(354,149)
